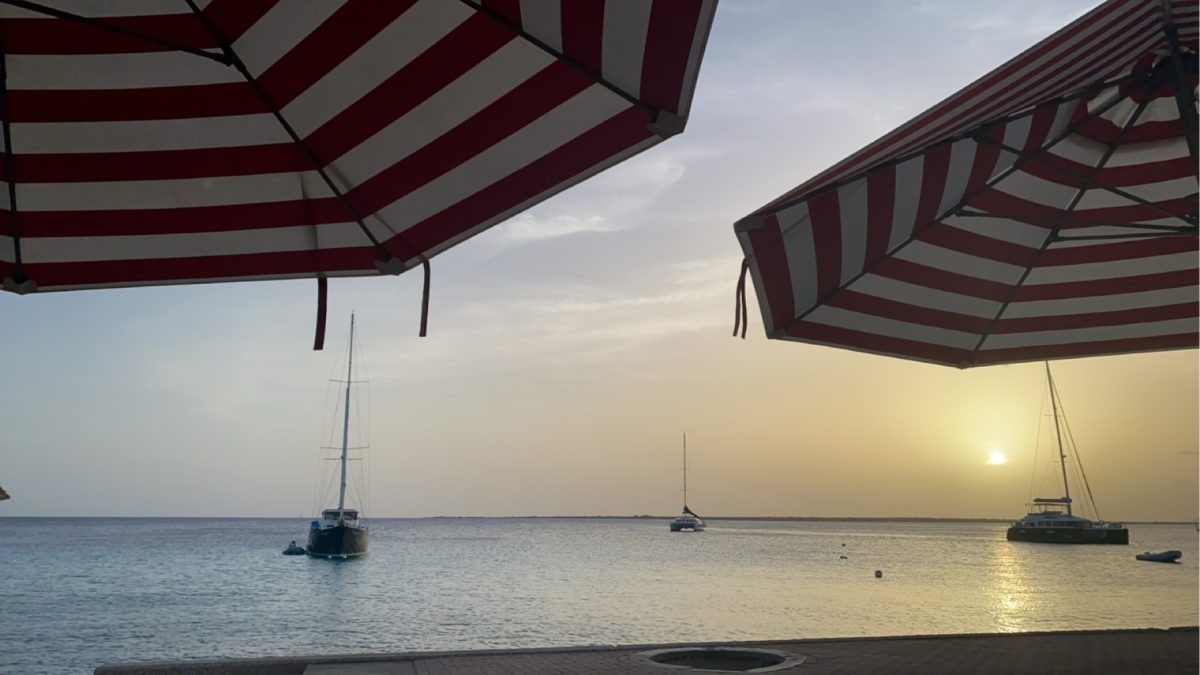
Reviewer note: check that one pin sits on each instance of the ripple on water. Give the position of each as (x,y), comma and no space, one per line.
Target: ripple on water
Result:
(77,593)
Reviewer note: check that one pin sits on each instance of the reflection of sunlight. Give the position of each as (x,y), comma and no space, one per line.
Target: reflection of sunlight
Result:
(1008,594)
(997,457)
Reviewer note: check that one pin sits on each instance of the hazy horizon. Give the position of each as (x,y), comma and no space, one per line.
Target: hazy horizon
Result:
(571,347)
(707,518)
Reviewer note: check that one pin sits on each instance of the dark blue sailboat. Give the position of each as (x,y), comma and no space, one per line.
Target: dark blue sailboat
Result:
(339,533)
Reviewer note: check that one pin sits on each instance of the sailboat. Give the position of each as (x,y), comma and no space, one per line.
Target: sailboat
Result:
(1051,519)
(339,533)
(688,520)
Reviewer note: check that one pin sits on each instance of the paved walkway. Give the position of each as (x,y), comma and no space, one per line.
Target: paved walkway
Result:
(1118,652)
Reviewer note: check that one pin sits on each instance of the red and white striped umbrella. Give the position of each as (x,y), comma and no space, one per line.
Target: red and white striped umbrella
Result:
(1047,210)
(182,141)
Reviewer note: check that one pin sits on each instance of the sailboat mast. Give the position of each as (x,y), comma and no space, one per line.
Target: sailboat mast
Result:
(685,470)
(1062,456)
(346,419)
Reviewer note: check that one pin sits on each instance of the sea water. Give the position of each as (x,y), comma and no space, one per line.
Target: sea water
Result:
(78,593)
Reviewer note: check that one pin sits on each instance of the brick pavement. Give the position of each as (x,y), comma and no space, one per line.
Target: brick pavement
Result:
(1116,652)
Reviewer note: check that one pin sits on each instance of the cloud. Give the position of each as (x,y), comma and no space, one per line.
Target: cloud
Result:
(529,227)
(997,28)
(677,290)
(615,200)
(544,331)
(1031,23)
(761,7)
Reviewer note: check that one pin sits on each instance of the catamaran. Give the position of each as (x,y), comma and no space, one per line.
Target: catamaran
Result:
(688,520)
(339,533)
(1050,519)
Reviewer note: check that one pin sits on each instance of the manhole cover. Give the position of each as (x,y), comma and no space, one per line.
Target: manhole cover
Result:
(720,659)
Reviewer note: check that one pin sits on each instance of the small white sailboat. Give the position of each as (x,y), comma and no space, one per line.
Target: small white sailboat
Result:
(688,520)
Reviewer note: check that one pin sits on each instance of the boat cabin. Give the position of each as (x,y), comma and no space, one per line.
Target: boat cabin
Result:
(1049,505)
(334,517)
(1048,512)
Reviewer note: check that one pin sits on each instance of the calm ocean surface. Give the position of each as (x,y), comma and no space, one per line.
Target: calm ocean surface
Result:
(77,593)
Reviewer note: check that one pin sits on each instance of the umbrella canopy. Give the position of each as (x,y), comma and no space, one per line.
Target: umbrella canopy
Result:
(192,141)
(1047,210)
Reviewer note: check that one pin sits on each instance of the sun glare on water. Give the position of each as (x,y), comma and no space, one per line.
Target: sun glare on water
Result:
(997,457)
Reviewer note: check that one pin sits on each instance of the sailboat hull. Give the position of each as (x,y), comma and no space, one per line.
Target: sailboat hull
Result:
(1069,535)
(341,541)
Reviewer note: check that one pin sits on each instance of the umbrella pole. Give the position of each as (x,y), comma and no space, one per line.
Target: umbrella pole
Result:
(1187,108)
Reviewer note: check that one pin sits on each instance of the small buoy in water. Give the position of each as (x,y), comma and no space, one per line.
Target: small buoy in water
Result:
(843,557)
(843,544)
(878,574)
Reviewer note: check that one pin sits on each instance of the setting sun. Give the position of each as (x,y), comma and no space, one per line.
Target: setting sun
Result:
(997,457)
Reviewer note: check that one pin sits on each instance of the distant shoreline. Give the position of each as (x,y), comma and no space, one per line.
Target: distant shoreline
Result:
(854,519)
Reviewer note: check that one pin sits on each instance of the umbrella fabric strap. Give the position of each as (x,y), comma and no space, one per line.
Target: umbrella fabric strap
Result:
(739,308)
(425,296)
(322,301)
(323,304)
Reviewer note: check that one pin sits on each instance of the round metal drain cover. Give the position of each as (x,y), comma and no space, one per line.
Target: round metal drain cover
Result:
(720,659)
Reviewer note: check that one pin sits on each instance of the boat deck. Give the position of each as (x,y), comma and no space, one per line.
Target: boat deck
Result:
(1129,652)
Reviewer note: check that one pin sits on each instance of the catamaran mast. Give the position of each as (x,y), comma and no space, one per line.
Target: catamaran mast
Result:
(685,470)
(1062,456)
(346,419)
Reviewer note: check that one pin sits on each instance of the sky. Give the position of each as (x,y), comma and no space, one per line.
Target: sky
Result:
(572,347)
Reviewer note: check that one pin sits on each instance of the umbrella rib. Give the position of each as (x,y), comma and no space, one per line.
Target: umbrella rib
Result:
(958,206)
(967,213)
(970,133)
(1053,236)
(1139,235)
(1089,181)
(1187,107)
(318,165)
(18,281)
(387,263)
(913,237)
(576,65)
(96,23)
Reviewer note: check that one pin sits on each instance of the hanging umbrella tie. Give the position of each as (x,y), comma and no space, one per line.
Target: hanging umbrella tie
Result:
(394,265)
(739,309)
(322,303)
(425,296)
